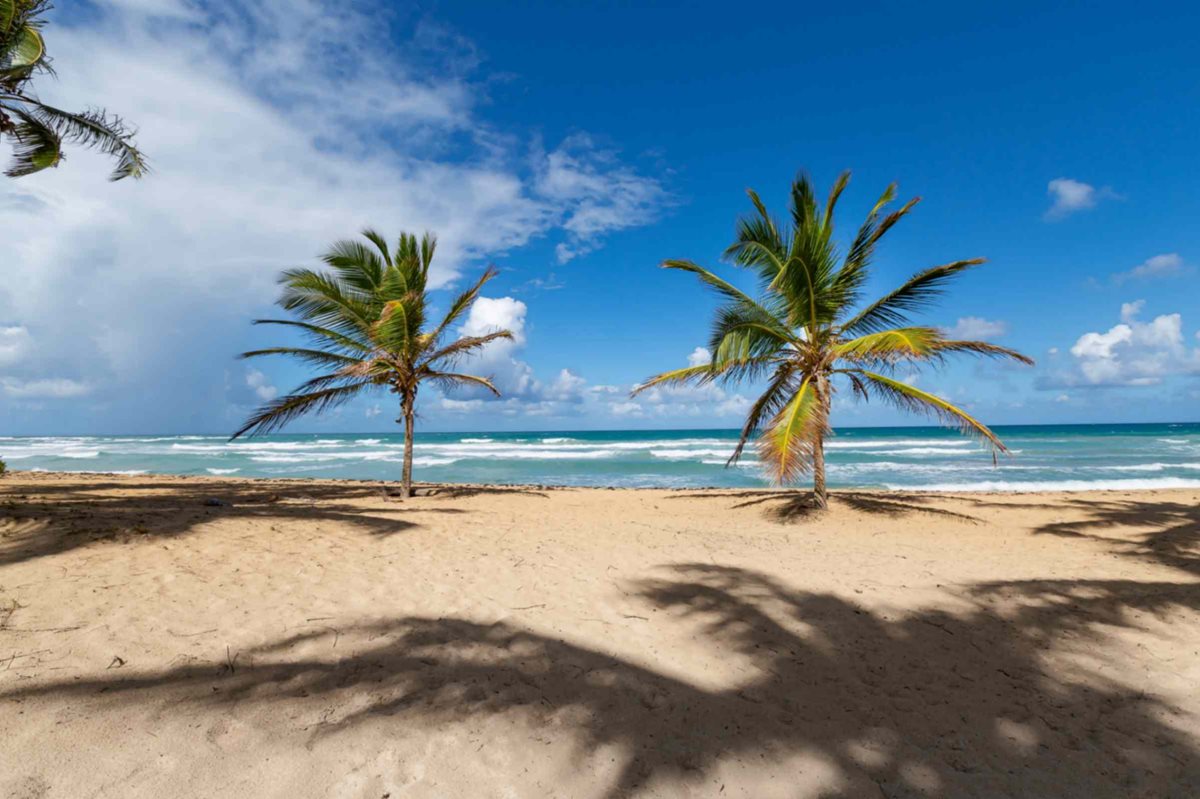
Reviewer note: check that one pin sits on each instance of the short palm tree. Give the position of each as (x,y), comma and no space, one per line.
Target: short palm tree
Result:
(803,334)
(38,130)
(366,318)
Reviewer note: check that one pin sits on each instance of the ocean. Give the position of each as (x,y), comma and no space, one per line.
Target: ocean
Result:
(1044,458)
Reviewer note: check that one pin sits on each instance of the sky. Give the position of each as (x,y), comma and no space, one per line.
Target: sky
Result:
(576,148)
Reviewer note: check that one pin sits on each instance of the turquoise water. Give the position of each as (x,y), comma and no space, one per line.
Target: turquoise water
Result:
(1044,458)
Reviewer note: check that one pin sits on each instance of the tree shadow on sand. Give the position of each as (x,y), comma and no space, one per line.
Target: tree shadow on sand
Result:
(1170,530)
(38,519)
(939,703)
(791,505)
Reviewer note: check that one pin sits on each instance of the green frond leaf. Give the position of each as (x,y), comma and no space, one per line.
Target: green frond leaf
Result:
(277,413)
(913,399)
(915,294)
(788,445)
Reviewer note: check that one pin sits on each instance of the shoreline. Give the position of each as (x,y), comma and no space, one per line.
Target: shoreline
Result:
(797,490)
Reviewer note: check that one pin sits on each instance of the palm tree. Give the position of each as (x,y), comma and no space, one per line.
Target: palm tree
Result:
(366,319)
(38,130)
(804,336)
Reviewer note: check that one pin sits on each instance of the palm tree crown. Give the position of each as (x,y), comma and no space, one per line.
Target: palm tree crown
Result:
(36,129)
(366,318)
(803,334)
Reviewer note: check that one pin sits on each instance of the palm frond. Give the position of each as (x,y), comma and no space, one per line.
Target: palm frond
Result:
(97,130)
(913,399)
(314,357)
(915,294)
(451,379)
(788,445)
(324,335)
(277,413)
(466,346)
(38,146)
(766,406)
(326,301)
(982,348)
(462,303)
(890,346)
(677,377)
(355,264)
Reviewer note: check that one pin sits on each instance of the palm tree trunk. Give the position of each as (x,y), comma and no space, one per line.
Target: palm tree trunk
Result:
(409,406)
(819,491)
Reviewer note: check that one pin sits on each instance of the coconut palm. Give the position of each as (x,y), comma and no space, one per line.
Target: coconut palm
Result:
(366,319)
(38,130)
(804,335)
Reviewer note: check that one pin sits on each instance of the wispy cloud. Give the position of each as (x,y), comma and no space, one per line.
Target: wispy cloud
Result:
(977,328)
(1166,265)
(1070,196)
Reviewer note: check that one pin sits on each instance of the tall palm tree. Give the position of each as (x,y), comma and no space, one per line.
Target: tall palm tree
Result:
(36,129)
(366,318)
(803,335)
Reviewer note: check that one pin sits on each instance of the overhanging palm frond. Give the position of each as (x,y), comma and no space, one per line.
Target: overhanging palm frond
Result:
(913,399)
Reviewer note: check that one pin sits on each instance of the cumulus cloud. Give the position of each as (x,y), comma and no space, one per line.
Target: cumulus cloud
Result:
(977,329)
(1131,353)
(699,357)
(1069,196)
(261,386)
(1168,264)
(273,129)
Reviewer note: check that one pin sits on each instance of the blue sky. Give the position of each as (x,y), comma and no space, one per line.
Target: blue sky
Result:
(576,149)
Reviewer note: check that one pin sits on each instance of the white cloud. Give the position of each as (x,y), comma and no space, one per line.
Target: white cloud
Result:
(977,329)
(14,344)
(261,386)
(1132,353)
(44,388)
(1166,265)
(699,357)
(600,194)
(1070,196)
(273,128)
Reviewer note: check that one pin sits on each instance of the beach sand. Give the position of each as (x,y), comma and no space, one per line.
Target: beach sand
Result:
(178,637)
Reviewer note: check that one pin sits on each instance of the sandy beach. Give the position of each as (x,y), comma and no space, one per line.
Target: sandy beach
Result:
(165,636)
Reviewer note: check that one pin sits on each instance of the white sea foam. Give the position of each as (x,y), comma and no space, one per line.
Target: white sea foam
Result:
(475,440)
(558,440)
(689,454)
(1005,486)
(897,442)
(222,471)
(1151,467)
